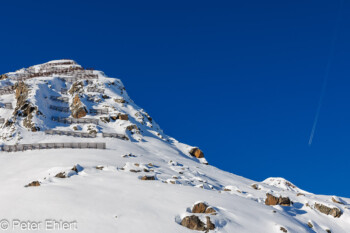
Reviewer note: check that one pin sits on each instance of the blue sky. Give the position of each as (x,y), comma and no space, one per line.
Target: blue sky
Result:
(239,79)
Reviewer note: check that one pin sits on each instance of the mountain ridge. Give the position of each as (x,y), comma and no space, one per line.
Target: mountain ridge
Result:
(142,180)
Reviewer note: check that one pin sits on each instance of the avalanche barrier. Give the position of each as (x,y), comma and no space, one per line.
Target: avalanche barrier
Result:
(63,145)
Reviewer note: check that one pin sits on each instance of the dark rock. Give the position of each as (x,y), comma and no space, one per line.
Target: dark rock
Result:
(3,76)
(33,184)
(199,208)
(196,152)
(77,168)
(23,107)
(77,87)
(283,229)
(193,223)
(99,167)
(309,224)
(105,97)
(255,186)
(336,201)
(272,200)
(61,175)
(284,201)
(335,212)
(77,108)
(134,171)
(123,117)
(114,117)
(148,178)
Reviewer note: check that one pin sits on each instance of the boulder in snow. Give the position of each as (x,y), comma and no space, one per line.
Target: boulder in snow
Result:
(33,184)
(335,212)
(193,223)
(196,152)
(272,200)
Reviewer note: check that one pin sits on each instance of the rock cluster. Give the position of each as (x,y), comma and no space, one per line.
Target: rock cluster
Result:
(193,222)
(272,200)
(335,212)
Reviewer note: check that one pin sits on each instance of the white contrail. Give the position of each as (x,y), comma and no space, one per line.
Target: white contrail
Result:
(325,79)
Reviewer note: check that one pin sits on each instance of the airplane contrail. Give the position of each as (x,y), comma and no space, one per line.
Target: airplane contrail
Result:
(325,79)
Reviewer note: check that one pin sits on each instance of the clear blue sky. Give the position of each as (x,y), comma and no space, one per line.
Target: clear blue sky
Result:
(239,79)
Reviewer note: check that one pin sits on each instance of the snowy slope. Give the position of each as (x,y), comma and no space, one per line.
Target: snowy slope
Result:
(106,193)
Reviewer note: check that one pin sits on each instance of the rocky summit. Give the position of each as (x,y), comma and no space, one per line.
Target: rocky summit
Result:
(77,151)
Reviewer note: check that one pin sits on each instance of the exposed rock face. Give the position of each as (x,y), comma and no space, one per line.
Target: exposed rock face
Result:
(335,212)
(77,108)
(272,200)
(193,223)
(202,208)
(196,152)
(123,117)
(33,184)
(255,186)
(77,87)
(24,108)
(199,208)
(3,76)
(284,201)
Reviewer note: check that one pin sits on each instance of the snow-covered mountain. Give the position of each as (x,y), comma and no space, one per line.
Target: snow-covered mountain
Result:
(79,155)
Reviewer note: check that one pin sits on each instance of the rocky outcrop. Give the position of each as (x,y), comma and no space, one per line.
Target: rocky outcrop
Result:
(335,212)
(77,87)
(33,184)
(202,208)
(3,76)
(196,152)
(272,200)
(193,223)
(123,117)
(336,200)
(24,108)
(77,108)
(148,178)
(199,208)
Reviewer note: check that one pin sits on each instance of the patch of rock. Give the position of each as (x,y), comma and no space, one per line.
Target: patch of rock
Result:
(272,200)
(335,212)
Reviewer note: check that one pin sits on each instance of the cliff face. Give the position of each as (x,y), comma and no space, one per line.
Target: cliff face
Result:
(78,109)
